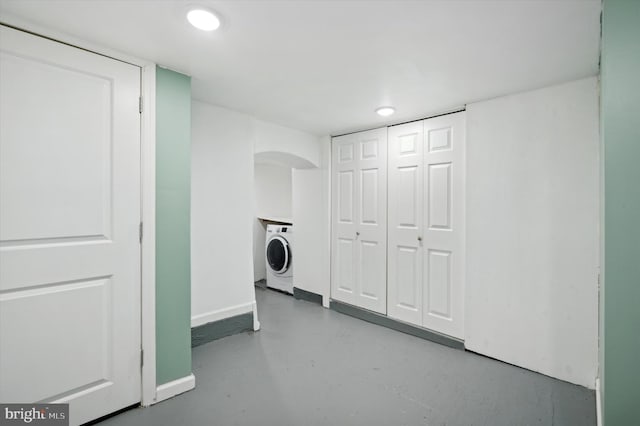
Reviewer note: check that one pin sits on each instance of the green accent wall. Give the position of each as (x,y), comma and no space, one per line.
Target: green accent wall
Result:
(620,120)
(173,199)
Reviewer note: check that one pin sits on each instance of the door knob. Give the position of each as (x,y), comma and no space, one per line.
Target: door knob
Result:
(419,238)
(357,234)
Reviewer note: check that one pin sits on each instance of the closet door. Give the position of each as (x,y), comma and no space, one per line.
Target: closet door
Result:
(405,222)
(371,233)
(443,224)
(426,223)
(359,230)
(344,221)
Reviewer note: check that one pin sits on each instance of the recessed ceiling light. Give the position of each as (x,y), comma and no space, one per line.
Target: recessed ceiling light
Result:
(385,111)
(203,19)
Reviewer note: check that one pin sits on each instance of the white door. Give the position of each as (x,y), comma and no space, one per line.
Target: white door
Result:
(69,218)
(443,225)
(426,223)
(344,220)
(359,229)
(405,222)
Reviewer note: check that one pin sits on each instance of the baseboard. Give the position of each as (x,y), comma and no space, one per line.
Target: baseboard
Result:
(175,387)
(256,322)
(309,296)
(218,329)
(221,314)
(598,403)
(326,302)
(385,321)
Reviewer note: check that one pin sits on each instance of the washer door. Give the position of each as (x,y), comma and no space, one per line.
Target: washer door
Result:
(278,255)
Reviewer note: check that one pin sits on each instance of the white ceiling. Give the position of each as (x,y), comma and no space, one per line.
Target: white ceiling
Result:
(324,66)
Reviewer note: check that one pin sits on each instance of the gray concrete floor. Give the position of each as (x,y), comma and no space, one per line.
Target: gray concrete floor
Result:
(312,366)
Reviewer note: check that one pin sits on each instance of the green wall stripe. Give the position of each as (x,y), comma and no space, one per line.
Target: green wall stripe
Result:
(620,109)
(173,198)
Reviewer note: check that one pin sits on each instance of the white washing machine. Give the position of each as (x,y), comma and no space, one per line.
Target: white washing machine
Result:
(279,258)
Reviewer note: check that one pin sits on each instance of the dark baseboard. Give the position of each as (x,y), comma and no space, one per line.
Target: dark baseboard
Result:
(218,329)
(261,283)
(385,321)
(301,294)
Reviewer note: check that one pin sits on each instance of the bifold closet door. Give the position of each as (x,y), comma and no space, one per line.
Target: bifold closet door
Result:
(426,223)
(405,222)
(359,231)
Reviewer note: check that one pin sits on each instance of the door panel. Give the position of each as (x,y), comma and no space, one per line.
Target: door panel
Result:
(438,139)
(405,209)
(345,271)
(91,299)
(369,193)
(369,259)
(362,198)
(69,217)
(407,267)
(444,234)
(439,284)
(408,144)
(408,184)
(369,148)
(345,197)
(345,153)
(439,200)
(85,210)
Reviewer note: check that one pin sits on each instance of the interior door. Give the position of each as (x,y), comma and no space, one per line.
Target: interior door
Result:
(69,227)
(405,222)
(371,233)
(443,224)
(426,223)
(344,219)
(360,219)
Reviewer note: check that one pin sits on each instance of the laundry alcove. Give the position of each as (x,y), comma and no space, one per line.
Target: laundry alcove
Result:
(273,186)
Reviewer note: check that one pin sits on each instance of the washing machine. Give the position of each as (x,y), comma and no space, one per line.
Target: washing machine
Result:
(279,257)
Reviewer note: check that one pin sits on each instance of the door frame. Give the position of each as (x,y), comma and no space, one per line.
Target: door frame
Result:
(148,191)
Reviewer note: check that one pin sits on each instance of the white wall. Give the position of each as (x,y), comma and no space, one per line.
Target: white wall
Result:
(226,198)
(311,218)
(271,140)
(272,186)
(222,206)
(532,230)
(259,260)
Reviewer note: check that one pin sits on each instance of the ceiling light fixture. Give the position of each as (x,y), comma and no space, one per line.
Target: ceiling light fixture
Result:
(204,20)
(385,111)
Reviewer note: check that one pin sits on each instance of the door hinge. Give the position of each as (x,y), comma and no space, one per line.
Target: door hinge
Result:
(141,358)
(140,103)
(140,231)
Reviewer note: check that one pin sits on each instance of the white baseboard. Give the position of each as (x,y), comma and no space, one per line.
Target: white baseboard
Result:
(256,323)
(175,387)
(598,403)
(221,314)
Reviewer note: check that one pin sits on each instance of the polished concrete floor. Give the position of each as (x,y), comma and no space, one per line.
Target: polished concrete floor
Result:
(312,366)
